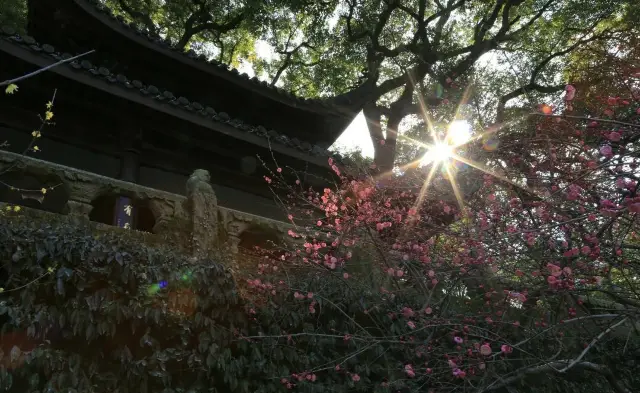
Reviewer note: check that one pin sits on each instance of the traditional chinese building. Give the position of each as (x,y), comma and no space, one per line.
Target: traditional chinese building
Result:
(142,116)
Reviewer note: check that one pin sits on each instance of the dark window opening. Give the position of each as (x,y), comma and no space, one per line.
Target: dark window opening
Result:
(144,219)
(103,209)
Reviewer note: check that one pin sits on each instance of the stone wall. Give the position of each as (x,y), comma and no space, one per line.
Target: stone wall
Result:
(194,223)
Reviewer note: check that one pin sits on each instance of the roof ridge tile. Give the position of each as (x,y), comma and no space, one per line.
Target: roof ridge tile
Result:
(155,93)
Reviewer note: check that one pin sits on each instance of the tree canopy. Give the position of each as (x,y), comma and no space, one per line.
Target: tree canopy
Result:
(419,61)
(510,262)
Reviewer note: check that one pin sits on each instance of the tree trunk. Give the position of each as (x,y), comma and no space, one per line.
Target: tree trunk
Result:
(386,154)
(373,116)
(384,144)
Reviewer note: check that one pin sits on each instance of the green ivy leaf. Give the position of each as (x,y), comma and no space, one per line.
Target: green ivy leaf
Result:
(211,361)
(14,355)
(60,287)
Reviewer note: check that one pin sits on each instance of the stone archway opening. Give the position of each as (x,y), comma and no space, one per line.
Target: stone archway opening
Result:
(144,219)
(42,192)
(103,210)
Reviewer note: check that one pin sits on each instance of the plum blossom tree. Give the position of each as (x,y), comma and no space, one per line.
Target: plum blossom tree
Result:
(506,261)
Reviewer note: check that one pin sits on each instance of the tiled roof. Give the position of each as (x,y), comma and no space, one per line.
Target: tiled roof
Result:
(152,92)
(215,66)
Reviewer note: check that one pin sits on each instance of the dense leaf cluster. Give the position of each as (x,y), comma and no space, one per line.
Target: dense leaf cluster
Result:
(105,313)
(101,313)
(81,312)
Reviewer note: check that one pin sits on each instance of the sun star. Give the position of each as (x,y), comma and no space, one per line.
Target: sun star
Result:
(458,133)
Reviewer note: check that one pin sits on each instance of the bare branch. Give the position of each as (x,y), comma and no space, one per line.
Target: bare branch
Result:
(592,343)
(553,367)
(50,66)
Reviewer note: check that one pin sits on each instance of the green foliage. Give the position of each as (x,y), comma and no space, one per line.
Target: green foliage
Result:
(108,316)
(13,13)
(101,313)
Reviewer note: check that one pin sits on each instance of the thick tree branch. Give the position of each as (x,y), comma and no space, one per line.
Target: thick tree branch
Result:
(385,152)
(287,61)
(532,20)
(372,113)
(383,18)
(140,16)
(415,108)
(192,29)
(419,71)
(532,85)
(502,102)
(352,37)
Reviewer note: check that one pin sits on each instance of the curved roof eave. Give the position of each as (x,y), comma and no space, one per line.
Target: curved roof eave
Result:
(103,14)
(28,50)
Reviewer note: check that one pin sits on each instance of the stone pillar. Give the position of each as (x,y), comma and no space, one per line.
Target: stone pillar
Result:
(82,191)
(202,206)
(234,230)
(163,212)
(79,209)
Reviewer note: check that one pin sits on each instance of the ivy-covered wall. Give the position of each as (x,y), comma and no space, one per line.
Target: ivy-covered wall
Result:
(92,309)
(87,312)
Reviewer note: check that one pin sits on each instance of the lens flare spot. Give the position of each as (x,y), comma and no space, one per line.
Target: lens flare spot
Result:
(153,289)
(458,166)
(490,143)
(546,109)
(445,172)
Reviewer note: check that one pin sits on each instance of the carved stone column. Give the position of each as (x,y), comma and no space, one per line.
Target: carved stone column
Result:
(202,206)
(234,230)
(79,209)
(82,191)
(163,212)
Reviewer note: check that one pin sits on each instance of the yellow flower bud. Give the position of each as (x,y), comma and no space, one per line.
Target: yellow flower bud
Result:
(11,89)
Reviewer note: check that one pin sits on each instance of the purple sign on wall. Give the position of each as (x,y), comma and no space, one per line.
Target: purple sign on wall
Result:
(124,213)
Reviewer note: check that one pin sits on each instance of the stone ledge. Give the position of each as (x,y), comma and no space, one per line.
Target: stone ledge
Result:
(71,177)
